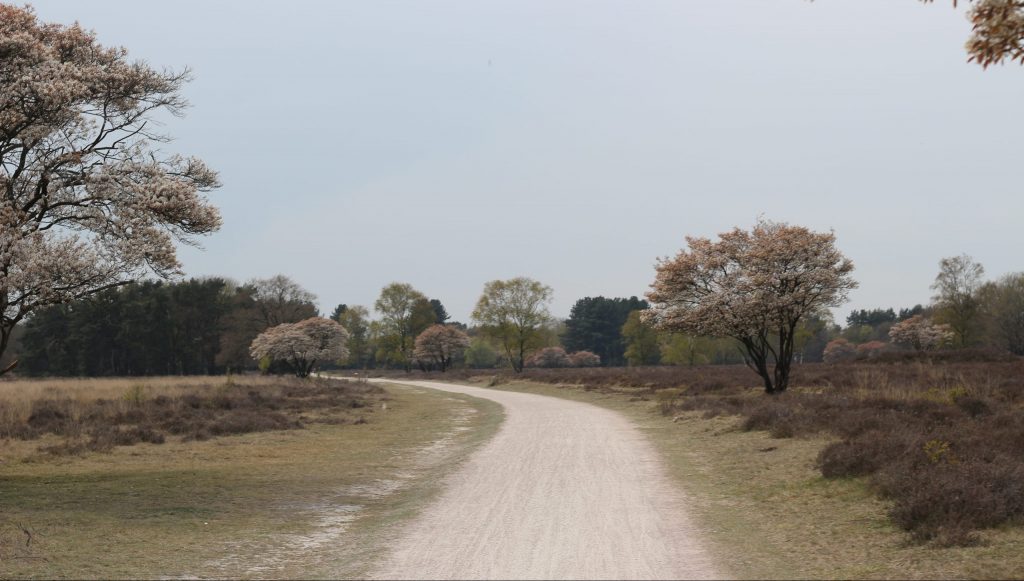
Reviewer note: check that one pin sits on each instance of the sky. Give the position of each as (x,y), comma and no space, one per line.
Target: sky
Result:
(446,144)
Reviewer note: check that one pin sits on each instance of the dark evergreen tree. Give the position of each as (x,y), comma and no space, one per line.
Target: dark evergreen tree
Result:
(441,315)
(595,324)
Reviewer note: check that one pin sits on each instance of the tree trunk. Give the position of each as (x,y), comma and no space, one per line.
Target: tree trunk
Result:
(5,338)
(756,358)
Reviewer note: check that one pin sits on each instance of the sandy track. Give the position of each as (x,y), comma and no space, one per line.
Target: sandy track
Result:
(565,490)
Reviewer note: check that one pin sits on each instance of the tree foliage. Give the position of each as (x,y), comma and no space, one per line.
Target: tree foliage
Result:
(514,313)
(301,345)
(871,318)
(998,27)
(148,328)
(440,345)
(921,333)
(279,299)
(1002,308)
(595,324)
(956,301)
(481,354)
(839,350)
(549,357)
(89,200)
(754,286)
(405,313)
(441,315)
(641,341)
(584,359)
(356,320)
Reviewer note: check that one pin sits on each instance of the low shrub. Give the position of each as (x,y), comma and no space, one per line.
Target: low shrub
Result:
(941,435)
(199,414)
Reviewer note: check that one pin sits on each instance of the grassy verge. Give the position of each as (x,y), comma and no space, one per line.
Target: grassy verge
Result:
(310,503)
(768,512)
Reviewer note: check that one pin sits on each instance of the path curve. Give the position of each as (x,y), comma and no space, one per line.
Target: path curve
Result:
(564,490)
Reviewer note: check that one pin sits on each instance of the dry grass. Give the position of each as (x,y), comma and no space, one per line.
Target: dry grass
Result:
(97,415)
(280,504)
(18,395)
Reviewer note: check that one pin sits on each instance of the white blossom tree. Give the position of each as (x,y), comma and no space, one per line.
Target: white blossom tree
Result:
(301,345)
(921,333)
(752,286)
(440,345)
(88,202)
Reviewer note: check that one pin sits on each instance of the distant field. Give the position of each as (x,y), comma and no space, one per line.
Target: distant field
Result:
(311,497)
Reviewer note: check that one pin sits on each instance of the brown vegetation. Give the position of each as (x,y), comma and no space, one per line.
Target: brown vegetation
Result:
(100,414)
(942,438)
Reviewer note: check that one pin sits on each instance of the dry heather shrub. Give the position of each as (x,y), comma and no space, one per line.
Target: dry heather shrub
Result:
(195,411)
(666,399)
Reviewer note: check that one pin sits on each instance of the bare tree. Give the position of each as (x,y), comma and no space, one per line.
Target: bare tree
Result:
(514,312)
(754,287)
(301,345)
(279,299)
(88,201)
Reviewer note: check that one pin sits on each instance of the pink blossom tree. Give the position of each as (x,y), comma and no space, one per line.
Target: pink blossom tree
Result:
(585,359)
(440,345)
(301,345)
(754,286)
(88,201)
(921,333)
(838,351)
(871,349)
(549,357)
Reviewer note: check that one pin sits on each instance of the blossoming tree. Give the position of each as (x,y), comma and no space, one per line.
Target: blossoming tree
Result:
(549,357)
(87,202)
(921,333)
(301,345)
(753,286)
(439,345)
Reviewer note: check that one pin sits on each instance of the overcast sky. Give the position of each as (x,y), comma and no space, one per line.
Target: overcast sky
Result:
(446,144)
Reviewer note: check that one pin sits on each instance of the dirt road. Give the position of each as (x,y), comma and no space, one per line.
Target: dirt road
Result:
(565,490)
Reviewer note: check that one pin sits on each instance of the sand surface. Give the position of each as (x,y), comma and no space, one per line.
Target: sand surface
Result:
(565,490)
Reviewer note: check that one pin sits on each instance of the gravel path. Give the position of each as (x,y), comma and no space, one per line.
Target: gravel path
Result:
(565,490)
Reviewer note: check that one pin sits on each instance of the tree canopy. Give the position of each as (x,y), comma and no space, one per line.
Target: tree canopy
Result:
(595,324)
(514,312)
(754,286)
(998,31)
(90,200)
(301,345)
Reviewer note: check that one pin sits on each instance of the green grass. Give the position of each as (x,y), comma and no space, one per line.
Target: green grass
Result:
(767,512)
(309,503)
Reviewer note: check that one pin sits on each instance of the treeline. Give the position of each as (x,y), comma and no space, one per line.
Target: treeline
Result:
(967,312)
(206,326)
(199,326)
